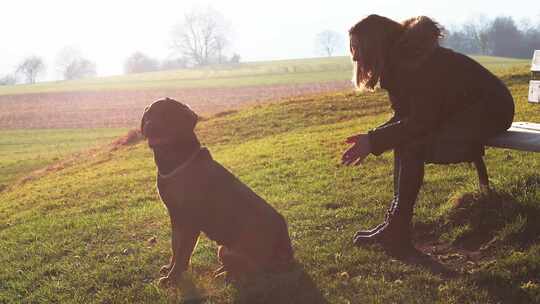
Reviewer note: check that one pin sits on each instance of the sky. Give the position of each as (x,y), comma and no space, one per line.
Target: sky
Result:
(108,31)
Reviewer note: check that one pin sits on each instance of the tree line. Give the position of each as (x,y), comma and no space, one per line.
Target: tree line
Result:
(203,37)
(70,64)
(501,36)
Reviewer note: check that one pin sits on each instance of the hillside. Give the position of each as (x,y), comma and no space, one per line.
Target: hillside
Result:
(277,72)
(81,232)
(23,151)
(217,76)
(116,102)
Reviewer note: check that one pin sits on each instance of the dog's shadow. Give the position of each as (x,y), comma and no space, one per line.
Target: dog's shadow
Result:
(187,292)
(293,286)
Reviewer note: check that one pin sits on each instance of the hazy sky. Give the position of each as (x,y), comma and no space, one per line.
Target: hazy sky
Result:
(109,31)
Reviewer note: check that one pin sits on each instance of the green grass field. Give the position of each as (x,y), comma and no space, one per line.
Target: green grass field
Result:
(246,74)
(24,151)
(80,234)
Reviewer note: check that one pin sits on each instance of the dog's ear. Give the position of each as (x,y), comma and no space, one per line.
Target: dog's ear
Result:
(143,119)
(191,117)
(187,120)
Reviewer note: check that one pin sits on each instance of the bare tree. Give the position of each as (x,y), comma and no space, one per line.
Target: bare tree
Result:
(483,40)
(477,32)
(531,37)
(455,39)
(30,68)
(221,43)
(328,42)
(201,36)
(72,65)
(139,62)
(80,68)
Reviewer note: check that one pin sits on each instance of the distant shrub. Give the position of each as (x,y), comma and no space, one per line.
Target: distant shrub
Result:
(235,58)
(133,136)
(225,113)
(8,80)
(140,63)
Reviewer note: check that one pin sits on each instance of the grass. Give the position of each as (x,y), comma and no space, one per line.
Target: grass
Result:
(80,234)
(246,74)
(24,151)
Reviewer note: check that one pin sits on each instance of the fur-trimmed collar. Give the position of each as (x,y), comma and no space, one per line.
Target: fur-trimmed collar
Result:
(416,43)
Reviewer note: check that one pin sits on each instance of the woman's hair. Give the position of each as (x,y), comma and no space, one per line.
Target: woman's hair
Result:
(374,37)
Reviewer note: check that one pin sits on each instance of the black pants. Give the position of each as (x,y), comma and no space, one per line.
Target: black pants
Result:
(409,163)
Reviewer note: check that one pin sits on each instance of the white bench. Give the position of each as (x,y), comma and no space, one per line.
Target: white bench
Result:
(523,136)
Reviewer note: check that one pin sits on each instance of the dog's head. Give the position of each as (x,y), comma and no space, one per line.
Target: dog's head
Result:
(167,121)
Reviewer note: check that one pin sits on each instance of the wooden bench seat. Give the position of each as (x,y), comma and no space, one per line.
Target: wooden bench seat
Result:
(523,136)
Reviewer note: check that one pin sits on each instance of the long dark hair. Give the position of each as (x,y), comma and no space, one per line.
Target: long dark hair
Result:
(374,38)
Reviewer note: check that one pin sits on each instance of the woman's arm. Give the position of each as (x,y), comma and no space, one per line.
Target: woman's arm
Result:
(423,119)
(361,142)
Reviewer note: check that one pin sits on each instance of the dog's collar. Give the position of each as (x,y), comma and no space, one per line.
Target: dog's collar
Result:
(181,168)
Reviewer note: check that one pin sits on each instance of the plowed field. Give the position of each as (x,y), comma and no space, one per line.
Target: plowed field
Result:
(97,109)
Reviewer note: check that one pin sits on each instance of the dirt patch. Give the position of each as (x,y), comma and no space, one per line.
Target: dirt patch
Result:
(107,109)
(333,206)
(481,225)
(454,258)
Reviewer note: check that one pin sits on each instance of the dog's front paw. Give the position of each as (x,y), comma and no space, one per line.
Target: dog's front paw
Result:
(165,269)
(164,282)
(171,279)
(220,272)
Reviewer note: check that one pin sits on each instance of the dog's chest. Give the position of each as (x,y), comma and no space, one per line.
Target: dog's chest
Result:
(174,194)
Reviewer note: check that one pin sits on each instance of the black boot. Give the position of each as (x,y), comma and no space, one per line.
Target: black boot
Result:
(393,205)
(395,233)
(390,210)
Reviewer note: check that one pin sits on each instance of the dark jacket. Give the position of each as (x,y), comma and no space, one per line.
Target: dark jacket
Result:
(442,99)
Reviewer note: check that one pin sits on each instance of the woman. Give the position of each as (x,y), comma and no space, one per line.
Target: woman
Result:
(445,106)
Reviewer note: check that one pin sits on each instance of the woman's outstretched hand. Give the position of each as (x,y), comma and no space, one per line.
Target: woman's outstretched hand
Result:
(360,150)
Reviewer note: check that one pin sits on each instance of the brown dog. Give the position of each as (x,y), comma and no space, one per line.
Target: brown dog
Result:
(202,196)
